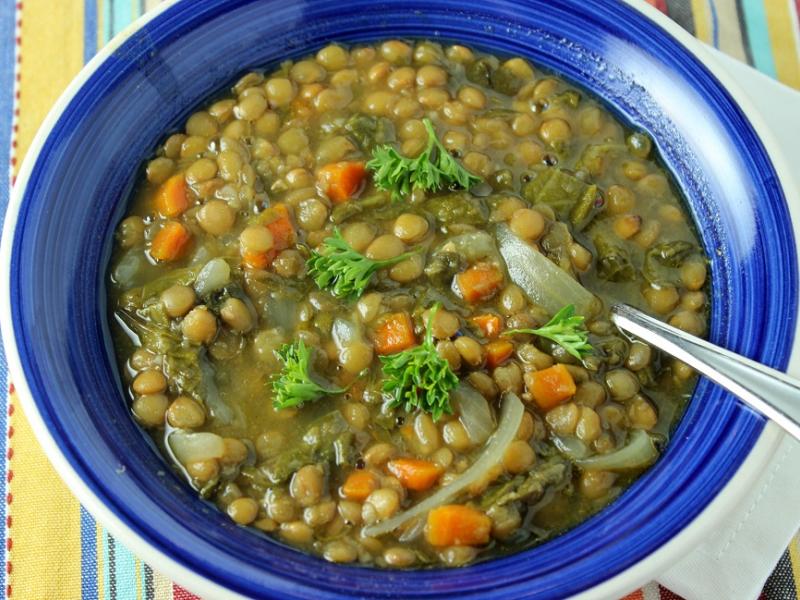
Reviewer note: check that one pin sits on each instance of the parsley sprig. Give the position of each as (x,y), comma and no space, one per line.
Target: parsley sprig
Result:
(294,385)
(433,170)
(566,329)
(343,271)
(419,377)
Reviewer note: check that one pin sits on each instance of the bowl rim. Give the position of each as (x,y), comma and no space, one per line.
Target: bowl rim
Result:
(635,575)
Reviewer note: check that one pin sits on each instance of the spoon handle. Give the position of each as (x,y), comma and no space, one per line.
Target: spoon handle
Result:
(772,393)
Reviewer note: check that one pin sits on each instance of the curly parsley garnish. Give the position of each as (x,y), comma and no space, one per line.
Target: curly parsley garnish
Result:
(294,385)
(419,377)
(566,329)
(345,273)
(434,169)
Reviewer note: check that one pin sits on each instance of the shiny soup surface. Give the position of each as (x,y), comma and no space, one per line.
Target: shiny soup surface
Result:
(360,303)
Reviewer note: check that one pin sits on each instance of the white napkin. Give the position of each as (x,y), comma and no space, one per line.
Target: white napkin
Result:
(735,560)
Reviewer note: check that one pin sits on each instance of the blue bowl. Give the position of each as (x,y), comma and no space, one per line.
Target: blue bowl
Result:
(74,188)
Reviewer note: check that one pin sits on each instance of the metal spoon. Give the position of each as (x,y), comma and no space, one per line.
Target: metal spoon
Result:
(772,393)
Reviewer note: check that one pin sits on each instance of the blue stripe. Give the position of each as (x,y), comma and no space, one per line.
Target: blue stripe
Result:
(88,525)
(755,18)
(89,29)
(714,23)
(88,556)
(127,580)
(108,26)
(8,19)
(120,15)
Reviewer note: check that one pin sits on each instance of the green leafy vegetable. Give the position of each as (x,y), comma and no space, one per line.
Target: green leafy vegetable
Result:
(565,329)
(345,273)
(419,377)
(294,385)
(369,131)
(433,170)
(458,207)
(613,261)
(662,262)
(327,439)
(555,473)
(566,194)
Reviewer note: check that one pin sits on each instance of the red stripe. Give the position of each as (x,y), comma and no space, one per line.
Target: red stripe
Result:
(662,4)
(665,594)
(178,593)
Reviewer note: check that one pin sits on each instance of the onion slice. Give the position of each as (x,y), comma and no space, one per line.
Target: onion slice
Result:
(214,275)
(474,412)
(571,447)
(544,282)
(510,419)
(640,451)
(192,447)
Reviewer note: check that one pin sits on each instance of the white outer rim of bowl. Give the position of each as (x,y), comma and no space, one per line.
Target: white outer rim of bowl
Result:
(633,577)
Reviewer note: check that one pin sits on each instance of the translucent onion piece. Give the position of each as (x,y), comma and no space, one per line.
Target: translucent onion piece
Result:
(510,418)
(474,412)
(571,447)
(214,275)
(192,447)
(345,332)
(545,283)
(218,408)
(640,451)
(128,268)
(473,246)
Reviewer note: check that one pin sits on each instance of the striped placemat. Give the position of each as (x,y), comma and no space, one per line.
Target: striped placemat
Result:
(51,547)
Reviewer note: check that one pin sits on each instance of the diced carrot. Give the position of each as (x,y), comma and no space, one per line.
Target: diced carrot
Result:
(457,525)
(171,242)
(277,220)
(413,473)
(497,352)
(489,324)
(342,180)
(172,197)
(256,260)
(550,387)
(479,282)
(359,485)
(279,223)
(394,334)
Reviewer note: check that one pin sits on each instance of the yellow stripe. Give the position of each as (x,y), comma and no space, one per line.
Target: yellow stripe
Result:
(702,20)
(46,552)
(781,23)
(139,575)
(794,558)
(162,587)
(100,24)
(43,508)
(101,566)
(52,53)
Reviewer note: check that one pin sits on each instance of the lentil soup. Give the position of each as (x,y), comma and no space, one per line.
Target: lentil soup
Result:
(360,303)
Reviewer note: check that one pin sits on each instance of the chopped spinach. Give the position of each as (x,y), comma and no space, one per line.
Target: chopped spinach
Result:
(663,261)
(567,195)
(328,440)
(458,207)
(527,487)
(613,260)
